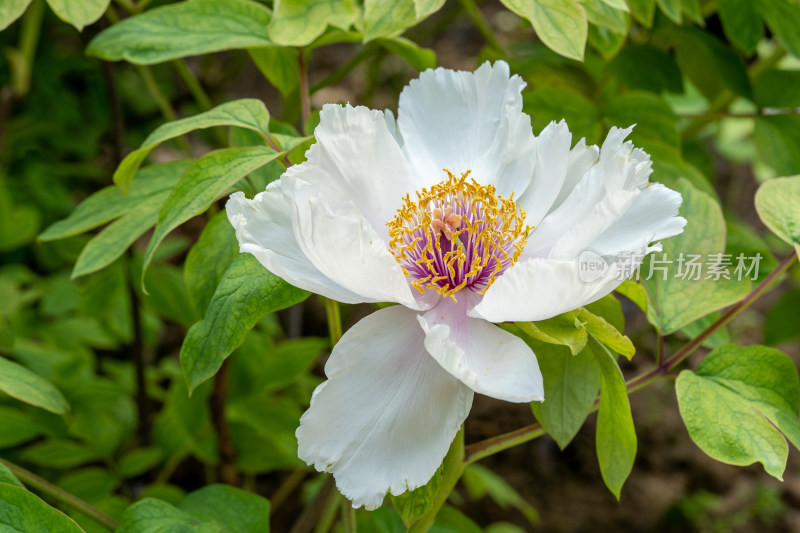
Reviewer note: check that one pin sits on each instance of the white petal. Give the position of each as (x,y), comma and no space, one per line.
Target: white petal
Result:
(264,228)
(653,216)
(345,248)
(356,158)
(484,357)
(593,224)
(468,121)
(620,168)
(385,418)
(552,159)
(539,288)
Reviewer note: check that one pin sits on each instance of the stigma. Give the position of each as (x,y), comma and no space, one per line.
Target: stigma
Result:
(457,235)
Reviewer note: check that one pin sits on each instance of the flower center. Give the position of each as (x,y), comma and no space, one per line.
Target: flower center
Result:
(459,234)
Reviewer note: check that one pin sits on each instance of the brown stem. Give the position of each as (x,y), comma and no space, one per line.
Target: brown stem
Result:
(312,511)
(286,488)
(228,473)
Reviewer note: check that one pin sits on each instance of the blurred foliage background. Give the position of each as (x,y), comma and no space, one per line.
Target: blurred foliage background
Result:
(94,400)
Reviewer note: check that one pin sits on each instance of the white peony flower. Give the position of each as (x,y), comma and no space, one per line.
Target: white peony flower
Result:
(458,213)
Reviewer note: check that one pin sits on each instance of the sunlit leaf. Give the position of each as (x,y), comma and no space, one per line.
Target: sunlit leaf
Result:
(561,24)
(299,22)
(777,202)
(737,404)
(79,14)
(184,29)
(11,10)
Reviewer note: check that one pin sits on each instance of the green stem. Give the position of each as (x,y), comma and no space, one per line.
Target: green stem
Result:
(724,100)
(163,103)
(482,24)
(28,42)
(453,468)
(155,92)
(192,84)
(334,316)
(40,485)
(490,446)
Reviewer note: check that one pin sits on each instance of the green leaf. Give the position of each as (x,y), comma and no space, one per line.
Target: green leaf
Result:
(208,260)
(547,104)
(61,454)
(109,244)
(79,14)
(653,117)
(18,223)
(673,301)
(564,329)
(738,402)
(606,41)
(184,29)
(711,65)
(413,504)
(247,113)
(451,520)
(22,384)
(601,14)
(606,334)
(425,8)
(480,481)
(206,180)
(778,141)
(154,516)
(416,56)
(11,10)
(247,292)
(777,202)
(385,19)
(643,11)
(672,9)
(783,19)
(7,477)
(233,510)
(110,202)
(778,88)
(21,510)
(571,384)
(609,308)
(279,65)
(741,23)
(18,427)
(617,4)
(299,22)
(615,438)
(641,66)
(139,461)
(692,10)
(562,25)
